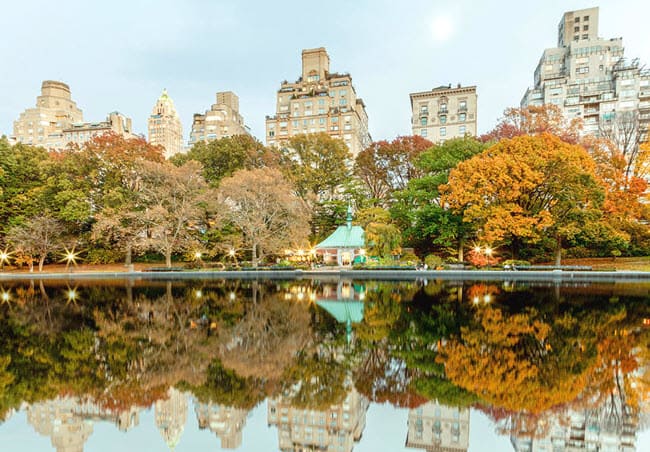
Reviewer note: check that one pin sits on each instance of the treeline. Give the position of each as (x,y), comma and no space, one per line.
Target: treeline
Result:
(534,188)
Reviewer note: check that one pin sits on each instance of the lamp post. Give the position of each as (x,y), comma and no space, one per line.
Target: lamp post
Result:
(488,255)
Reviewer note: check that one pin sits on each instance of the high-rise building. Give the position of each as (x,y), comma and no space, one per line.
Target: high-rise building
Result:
(588,77)
(338,427)
(444,112)
(55,111)
(226,422)
(165,128)
(171,415)
(437,427)
(115,122)
(221,120)
(319,101)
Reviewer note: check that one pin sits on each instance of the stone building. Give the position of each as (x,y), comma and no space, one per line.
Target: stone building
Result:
(221,120)
(589,78)
(226,422)
(164,125)
(444,112)
(43,125)
(319,101)
(437,427)
(336,428)
(116,122)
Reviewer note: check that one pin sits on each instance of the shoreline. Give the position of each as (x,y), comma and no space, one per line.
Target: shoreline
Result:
(387,275)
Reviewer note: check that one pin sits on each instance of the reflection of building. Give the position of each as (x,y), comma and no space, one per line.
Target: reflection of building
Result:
(334,429)
(116,122)
(319,102)
(69,421)
(165,128)
(588,78)
(343,245)
(344,302)
(436,427)
(599,429)
(171,415)
(220,121)
(226,422)
(444,112)
(43,125)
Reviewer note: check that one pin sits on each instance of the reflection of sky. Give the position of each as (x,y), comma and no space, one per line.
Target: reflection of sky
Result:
(385,431)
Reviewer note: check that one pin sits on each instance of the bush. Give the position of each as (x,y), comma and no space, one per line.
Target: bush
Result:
(433,261)
(516,263)
(410,259)
(103,256)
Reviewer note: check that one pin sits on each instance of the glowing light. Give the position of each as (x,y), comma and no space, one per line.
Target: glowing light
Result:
(232,296)
(477,249)
(70,257)
(72,295)
(475,300)
(198,294)
(5,296)
(488,251)
(300,296)
(231,252)
(197,255)
(487,298)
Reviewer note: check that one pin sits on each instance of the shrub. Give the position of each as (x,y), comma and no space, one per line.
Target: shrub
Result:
(433,261)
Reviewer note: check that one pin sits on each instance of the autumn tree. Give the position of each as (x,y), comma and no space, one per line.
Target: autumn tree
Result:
(417,210)
(261,204)
(315,164)
(223,157)
(384,166)
(525,189)
(36,238)
(535,120)
(383,238)
(177,203)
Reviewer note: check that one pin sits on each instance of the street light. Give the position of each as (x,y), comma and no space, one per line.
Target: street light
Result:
(4,258)
(488,254)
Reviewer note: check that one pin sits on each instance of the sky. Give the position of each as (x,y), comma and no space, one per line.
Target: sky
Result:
(119,55)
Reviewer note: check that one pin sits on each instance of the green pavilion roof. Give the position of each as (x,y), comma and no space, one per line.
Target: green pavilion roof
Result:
(344,237)
(342,310)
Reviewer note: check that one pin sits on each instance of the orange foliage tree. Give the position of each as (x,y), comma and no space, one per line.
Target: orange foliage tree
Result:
(525,189)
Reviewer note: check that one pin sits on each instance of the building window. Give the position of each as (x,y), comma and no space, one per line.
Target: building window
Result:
(576,29)
(423,132)
(576,38)
(585,36)
(443,108)
(586,18)
(582,70)
(577,19)
(462,105)
(461,117)
(343,101)
(271,133)
(443,119)
(443,131)
(423,121)
(462,130)
(585,28)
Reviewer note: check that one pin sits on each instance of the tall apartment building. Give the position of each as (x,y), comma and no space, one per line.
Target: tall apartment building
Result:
(164,124)
(434,426)
(336,428)
(226,422)
(221,120)
(444,112)
(588,77)
(115,122)
(319,101)
(171,416)
(43,125)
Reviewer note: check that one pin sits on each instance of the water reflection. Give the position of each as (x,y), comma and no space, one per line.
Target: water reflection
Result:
(553,366)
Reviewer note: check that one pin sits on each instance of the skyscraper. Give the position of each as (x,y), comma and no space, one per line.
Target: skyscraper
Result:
(43,125)
(444,112)
(220,121)
(165,126)
(589,78)
(319,101)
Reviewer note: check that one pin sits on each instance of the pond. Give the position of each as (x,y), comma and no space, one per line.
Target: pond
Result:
(324,364)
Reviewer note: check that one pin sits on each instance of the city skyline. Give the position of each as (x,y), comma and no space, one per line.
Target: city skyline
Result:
(123,61)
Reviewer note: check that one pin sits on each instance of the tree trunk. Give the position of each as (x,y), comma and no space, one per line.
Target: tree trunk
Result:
(558,251)
(461,244)
(41,262)
(128,255)
(254,255)
(168,259)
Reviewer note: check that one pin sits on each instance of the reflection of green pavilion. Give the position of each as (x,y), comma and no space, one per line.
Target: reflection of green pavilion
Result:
(345,303)
(345,245)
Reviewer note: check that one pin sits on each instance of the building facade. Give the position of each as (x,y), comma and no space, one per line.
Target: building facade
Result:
(444,112)
(115,122)
(43,125)
(220,121)
(226,422)
(164,126)
(589,78)
(319,101)
(437,427)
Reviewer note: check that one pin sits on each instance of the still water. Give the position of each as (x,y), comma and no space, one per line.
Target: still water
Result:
(329,365)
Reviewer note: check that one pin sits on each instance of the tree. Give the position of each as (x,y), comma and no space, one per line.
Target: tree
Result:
(535,120)
(222,158)
(176,203)
(382,237)
(525,189)
(623,131)
(384,166)
(36,238)
(316,164)
(417,209)
(261,204)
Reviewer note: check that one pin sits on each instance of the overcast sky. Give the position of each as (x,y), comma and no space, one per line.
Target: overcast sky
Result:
(119,55)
